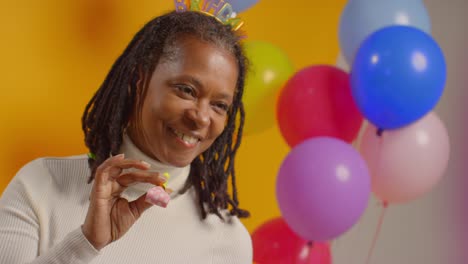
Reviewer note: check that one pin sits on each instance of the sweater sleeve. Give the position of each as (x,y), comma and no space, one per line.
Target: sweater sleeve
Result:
(20,229)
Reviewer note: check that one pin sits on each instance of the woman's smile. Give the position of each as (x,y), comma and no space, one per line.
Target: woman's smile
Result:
(187,140)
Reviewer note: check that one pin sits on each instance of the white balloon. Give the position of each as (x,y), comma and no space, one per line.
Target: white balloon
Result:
(341,63)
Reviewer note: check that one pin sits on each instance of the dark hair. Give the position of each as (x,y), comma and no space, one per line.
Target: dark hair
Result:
(107,114)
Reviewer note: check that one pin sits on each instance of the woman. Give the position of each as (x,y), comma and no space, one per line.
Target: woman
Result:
(171,103)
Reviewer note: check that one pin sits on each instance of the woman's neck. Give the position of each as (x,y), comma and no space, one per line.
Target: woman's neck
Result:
(178,175)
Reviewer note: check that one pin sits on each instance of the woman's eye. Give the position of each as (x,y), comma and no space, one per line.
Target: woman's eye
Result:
(185,89)
(222,106)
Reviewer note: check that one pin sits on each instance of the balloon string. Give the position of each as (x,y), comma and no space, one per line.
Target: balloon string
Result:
(377,232)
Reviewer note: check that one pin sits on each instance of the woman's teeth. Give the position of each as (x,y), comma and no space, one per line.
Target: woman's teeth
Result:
(187,139)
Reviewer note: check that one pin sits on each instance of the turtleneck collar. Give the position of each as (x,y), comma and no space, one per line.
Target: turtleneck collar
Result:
(178,175)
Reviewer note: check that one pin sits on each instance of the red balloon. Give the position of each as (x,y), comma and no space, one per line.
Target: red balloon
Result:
(317,101)
(275,243)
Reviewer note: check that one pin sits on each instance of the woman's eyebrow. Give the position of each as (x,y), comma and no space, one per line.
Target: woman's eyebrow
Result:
(198,83)
(225,96)
(190,79)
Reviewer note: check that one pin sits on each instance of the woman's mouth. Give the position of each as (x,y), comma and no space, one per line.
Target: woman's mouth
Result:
(188,140)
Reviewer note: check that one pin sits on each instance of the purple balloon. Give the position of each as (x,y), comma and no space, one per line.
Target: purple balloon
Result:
(323,187)
(241,5)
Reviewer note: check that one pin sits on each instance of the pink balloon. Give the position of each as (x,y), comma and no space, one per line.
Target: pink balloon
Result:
(315,102)
(408,162)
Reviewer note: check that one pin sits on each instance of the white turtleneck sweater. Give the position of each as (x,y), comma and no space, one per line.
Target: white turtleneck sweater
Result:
(44,206)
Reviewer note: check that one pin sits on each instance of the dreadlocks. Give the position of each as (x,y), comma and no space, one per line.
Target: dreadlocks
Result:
(107,114)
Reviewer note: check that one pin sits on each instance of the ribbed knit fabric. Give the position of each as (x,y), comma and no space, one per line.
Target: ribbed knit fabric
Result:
(44,206)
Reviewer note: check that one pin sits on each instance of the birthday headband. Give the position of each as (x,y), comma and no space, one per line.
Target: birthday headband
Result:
(219,9)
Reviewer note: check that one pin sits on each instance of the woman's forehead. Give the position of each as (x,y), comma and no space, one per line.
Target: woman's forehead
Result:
(201,60)
(178,43)
(193,51)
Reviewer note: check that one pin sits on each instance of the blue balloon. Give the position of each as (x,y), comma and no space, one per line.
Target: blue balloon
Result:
(360,18)
(241,5)
(398,76)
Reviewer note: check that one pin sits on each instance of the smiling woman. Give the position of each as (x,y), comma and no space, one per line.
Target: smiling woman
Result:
(186,103)
(168,105)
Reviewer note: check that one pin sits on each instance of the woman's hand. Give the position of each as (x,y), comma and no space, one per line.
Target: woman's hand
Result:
(110,216)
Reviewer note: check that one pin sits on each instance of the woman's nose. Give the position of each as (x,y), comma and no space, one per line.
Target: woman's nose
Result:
(199,115)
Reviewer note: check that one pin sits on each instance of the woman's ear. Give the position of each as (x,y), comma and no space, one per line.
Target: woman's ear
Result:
(140,78)
(140,85)
(136,87)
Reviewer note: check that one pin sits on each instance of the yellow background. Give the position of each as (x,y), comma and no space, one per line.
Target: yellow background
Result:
(55,54)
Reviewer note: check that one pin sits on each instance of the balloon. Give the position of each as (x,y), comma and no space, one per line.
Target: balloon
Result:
(275,243)
(317,101)
(241,5)
(322,188)
(398,76)
(360,18)
(408,162)
(341,63)
(270,69)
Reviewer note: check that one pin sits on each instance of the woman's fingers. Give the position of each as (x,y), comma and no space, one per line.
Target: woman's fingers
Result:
(113,167)
(129,164)
(133,177)
(102,172)
(139,206)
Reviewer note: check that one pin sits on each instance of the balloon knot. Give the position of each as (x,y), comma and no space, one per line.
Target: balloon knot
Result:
(379,132)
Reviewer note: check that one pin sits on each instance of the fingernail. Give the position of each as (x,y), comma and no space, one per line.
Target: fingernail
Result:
(119,156)
(145,163)
(163,179)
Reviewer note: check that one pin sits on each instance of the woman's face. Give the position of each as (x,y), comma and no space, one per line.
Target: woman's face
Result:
(186,104)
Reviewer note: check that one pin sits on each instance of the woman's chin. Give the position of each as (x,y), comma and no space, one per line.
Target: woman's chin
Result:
(179,162)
